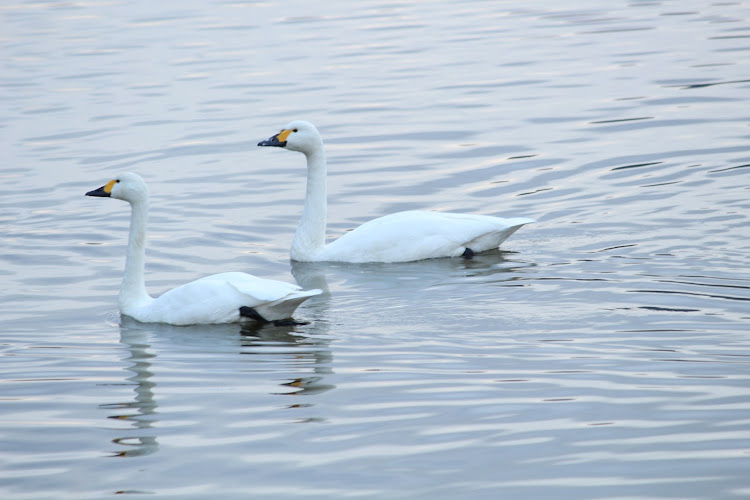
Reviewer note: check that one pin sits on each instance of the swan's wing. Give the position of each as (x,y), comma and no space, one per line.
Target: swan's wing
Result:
(217,298)
(279,299)
(260,289)
(415,235)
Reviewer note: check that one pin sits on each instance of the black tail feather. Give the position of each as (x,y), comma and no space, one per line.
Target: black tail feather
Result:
(250,313)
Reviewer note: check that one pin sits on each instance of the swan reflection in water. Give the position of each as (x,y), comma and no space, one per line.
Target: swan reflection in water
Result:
(141,411)
(281,342)
(287,348)
(490,266)
(300,353)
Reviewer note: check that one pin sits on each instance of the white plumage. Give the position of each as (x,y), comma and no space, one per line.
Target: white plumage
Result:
(399,237)
(219,298)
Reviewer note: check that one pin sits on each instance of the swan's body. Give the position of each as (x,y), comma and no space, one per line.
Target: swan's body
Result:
(399,237)
(219,298)
(417,235)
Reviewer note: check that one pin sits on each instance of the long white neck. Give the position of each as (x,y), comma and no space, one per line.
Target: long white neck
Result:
(133,289)
(310,237)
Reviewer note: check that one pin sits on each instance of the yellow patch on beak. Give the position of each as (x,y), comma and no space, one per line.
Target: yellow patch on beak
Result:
(108,187)
(281,136)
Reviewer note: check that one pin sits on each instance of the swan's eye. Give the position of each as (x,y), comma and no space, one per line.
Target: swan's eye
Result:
(295,130)
(117,180)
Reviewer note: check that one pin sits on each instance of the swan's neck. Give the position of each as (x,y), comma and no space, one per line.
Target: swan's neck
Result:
(133,290)
(310,237)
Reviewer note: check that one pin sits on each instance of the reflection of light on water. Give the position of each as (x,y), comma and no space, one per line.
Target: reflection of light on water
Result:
(489,266)
(300,351)
(273,348)
(144,403)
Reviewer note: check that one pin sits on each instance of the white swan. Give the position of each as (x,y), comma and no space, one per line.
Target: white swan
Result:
(220,298)
(399,237)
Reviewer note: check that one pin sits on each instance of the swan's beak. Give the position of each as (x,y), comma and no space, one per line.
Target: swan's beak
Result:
(105,191)
(279,140)
(99,192)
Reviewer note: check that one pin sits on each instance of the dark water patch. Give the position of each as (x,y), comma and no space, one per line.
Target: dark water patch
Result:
(708,84)
(656,123)
(728,37)
(728,168)
(655,158)
(668,101)
(623,120)
(660,184)
(86,76)
(668,309)
(636,165)
(536,191)
(680,13)
(616,247)
(616,30)
(711,285)
(694,294)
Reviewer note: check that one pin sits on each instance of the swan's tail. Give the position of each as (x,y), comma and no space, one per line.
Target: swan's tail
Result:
(284,307)
(493,239)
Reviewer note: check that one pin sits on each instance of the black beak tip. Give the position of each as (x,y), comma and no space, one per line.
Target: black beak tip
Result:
(99,192)
(273,141)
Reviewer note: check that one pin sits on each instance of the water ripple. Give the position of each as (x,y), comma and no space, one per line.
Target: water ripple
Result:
(602,354)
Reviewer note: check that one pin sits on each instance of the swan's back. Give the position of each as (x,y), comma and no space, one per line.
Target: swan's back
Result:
(416,235)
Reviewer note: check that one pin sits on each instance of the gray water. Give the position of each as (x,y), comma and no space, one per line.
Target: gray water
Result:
(603,354)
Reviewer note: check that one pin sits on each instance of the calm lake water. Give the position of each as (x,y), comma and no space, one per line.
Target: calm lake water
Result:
(603,354)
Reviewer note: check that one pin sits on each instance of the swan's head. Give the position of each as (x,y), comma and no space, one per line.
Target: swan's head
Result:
(298,135)
(128,186)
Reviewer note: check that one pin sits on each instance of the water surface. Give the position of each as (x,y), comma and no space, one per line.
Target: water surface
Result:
(603,354)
